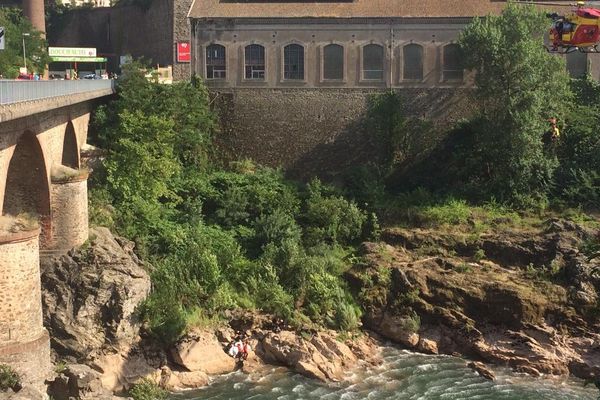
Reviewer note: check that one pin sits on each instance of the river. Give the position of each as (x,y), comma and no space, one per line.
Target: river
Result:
(403,375)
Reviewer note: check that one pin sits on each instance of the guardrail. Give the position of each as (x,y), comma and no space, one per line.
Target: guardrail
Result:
(12,92)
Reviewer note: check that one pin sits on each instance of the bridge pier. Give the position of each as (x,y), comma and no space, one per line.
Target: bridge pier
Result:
(24,342)
(69,204)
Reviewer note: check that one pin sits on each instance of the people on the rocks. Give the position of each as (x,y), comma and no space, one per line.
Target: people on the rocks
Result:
(240,348)
(233,350)
(246,349)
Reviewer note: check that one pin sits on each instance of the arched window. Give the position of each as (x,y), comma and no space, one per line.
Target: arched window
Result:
(216,65)
(333,62)
(293,62)
(413,62)
(453,69)
(577,64)
(373,62)
(254,56)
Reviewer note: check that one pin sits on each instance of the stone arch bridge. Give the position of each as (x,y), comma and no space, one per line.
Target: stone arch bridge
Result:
(43,126)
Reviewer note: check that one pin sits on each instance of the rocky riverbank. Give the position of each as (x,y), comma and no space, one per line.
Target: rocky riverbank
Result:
(525,299)
(90,297)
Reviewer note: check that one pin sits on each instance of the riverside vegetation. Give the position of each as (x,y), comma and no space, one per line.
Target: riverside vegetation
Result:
(232,235)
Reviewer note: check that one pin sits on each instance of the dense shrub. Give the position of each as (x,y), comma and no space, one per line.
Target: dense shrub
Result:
(217,238)
(147,390)
(330,219)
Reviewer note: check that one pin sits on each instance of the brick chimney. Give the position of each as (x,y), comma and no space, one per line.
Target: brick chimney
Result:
(34,11)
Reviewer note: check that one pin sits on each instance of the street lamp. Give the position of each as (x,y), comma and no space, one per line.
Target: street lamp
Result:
(24,55)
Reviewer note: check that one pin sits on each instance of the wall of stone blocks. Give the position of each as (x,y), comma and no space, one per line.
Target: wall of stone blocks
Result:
(181,32)
(20,291)
(69,214)
(319,131)
(31,360)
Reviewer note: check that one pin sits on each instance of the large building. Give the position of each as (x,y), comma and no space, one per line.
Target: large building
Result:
(295,78)
(352,43)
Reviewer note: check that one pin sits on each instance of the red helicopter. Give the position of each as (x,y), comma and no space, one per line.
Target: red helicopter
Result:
(577,31)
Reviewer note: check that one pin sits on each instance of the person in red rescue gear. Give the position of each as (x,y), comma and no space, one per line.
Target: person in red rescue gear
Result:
(245,350)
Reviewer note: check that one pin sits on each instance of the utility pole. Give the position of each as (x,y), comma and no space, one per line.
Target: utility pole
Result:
(24,54)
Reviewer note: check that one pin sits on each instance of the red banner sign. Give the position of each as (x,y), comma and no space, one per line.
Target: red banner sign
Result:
(184,54)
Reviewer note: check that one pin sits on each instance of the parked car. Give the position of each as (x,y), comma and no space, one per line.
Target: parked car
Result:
(92,76)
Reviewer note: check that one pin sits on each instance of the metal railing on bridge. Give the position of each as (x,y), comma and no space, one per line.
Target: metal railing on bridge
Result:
(12,92)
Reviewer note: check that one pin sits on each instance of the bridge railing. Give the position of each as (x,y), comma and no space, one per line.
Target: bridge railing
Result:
(18,91)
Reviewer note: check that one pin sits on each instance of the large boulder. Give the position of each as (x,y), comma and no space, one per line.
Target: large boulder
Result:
(90,295)
(80,382)
(201,351)
(395,328)
(320,357)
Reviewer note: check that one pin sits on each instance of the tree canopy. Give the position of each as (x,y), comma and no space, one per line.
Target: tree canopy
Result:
(11,58)
(519,87)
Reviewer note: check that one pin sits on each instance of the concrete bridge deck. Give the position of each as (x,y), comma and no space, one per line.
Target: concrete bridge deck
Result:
(20,99)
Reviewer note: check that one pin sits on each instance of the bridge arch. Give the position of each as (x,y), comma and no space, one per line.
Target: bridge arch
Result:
(27,189)
(70,151)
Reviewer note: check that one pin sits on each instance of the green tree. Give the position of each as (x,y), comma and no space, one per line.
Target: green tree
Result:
(519,86)
(11,58)
(577,180)
(402,138)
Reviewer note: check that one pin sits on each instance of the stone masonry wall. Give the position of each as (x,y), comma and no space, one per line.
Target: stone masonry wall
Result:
(24,342)
(318,131)
(181,32)
(69,214)
(20,292)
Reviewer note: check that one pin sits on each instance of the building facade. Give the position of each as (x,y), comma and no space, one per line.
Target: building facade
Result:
(360,43)
(294,79)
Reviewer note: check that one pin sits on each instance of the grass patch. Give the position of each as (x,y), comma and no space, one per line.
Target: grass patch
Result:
(463,268)
(9,379)
(198,318)
(21,223)
(544,273)
(60,367)
(420,208)
(63,174)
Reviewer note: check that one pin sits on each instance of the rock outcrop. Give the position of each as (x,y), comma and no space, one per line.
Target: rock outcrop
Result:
(200,351)
(90,295)
(89,299)
(528,300)
(319,355)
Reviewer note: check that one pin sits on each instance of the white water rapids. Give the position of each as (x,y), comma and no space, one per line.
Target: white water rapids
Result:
(403,375)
